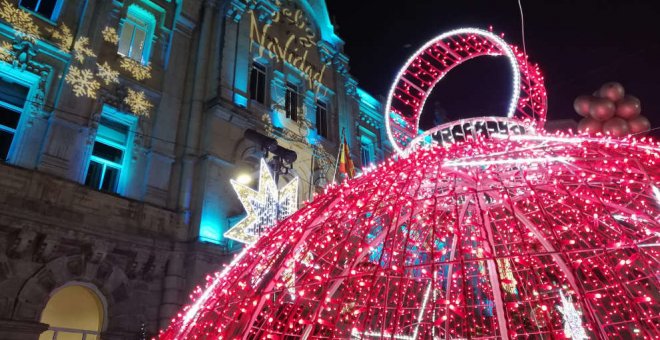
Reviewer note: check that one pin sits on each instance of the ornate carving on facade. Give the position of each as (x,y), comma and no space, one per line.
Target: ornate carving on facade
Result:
(141,145)
(351,87)
(327,51)
(5,267)
(46,248)
(115,96)
(23,241)
(23,51)
(139,262)
(266,10)
(341,63)
(157,267)
(93,127)
(20,53)
(236,9)
(366,119)
(37,109)
(99,250)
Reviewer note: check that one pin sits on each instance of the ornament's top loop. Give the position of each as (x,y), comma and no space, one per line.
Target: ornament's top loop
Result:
(435,59)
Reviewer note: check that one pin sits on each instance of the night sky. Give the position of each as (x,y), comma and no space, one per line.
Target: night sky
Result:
(578,44)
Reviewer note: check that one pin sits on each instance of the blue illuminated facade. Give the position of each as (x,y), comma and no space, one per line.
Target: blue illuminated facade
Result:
(132,196)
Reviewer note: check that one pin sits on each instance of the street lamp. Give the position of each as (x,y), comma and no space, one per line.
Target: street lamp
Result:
(283,158)
(244,178)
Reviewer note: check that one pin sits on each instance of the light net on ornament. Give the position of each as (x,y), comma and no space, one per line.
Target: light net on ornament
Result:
(515,237)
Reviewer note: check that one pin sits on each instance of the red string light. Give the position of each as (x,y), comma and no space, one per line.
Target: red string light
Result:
(516,236)
(495,236)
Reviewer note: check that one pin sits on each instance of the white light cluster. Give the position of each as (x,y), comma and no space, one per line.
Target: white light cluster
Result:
(264,207)
(458,163)
(572,319)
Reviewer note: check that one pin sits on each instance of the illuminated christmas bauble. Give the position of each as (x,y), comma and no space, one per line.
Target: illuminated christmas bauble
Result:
(483,228)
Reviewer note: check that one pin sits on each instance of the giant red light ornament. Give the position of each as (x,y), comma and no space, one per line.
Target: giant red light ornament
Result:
(495,230)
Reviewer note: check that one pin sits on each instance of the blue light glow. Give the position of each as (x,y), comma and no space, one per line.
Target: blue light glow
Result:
(212,225)
(240,100)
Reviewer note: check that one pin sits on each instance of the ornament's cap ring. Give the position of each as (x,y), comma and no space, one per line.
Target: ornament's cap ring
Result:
(424,69)
(472,128)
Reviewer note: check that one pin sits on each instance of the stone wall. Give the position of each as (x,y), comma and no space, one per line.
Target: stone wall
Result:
(54,232)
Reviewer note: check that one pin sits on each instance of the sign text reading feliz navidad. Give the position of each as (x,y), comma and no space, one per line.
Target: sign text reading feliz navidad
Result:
(289,38)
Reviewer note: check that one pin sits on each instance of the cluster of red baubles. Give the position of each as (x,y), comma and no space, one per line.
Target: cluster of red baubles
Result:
(610,111)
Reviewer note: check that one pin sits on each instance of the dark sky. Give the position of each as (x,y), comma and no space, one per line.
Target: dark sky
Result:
(578,44)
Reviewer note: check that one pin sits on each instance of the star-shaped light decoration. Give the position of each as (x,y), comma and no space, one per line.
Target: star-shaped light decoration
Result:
(264,207)
(572,319)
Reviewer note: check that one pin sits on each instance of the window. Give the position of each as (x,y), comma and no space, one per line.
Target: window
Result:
(322,118)
(49,9)
(12,100)
(258,83)
(136,34)
(112,144)
(291,101)
(73,312)
(366,153)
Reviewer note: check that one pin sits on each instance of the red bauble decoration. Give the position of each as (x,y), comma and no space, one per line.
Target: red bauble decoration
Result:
(524,235)
(616,127)
(629,107)
(601,109)
(581,105)
(469,240)
(612,91)
(590,126)
(639,124)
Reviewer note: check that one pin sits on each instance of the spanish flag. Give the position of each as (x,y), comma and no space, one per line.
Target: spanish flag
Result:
(346,166)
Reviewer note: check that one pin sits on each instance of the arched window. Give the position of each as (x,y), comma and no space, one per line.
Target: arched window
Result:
(74,312)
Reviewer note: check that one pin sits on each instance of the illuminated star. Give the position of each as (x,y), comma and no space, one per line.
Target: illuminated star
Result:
(264,207)
(572,319)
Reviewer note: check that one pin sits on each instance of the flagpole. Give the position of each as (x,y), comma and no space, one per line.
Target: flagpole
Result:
(341,145)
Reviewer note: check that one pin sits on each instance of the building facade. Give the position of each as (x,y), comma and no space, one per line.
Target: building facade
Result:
(121,125)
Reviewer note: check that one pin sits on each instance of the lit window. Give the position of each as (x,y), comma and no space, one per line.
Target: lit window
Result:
(136,34)
(291,101)
(73,312)
(366,153)
(322,118)
(12,100)
(48,9)
(258,83)
(109,153)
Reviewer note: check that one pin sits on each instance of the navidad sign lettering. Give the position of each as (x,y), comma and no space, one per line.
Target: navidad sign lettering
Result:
(289,38)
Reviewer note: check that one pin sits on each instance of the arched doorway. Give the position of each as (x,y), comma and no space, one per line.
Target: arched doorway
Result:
(74,312)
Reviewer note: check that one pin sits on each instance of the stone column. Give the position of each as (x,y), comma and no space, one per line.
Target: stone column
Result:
(173,283)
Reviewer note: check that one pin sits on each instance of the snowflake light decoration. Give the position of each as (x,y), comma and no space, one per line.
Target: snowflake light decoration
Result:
(110,35)
(572,319)
(138,103)
(6,52)
(63,37)
(82,82)
(107,74)
(21,20)
(137,70)
(263,207)
(81,49)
